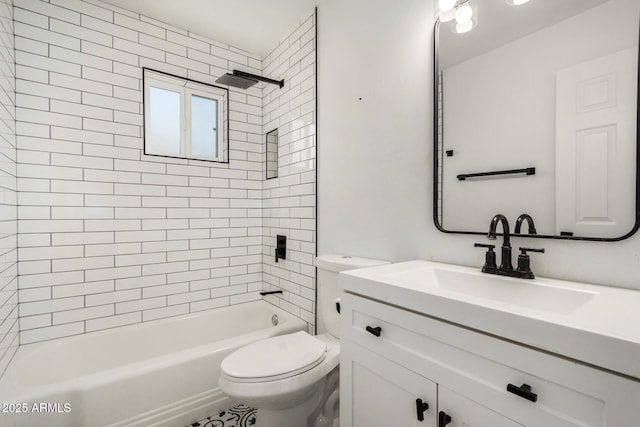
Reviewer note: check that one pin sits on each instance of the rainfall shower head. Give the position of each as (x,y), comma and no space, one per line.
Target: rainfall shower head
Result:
(243,80)
(236,81)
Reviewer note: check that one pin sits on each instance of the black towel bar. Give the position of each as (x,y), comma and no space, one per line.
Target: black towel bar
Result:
(528,171)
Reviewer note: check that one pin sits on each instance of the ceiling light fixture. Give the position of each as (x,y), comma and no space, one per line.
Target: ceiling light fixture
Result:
(446,5)
(464,14)
(463,27)
(446,10)
(516,2)
(463,11)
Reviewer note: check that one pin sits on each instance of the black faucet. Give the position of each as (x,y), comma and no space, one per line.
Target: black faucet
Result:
(506,244)
(506,268)
(530,225)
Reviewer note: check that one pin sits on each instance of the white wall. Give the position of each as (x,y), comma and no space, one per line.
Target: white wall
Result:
(374,97)
(375,154)
(109,236)
(8,194)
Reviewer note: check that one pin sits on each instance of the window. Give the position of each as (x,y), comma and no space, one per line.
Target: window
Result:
(183,118)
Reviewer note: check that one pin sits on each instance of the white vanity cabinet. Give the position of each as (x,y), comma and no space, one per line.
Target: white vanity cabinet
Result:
(466,375)
(386,394)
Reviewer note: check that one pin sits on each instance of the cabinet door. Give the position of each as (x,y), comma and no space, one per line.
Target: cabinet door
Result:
(376,392)
(465,412)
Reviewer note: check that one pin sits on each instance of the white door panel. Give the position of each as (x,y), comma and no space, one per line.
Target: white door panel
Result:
(596,146)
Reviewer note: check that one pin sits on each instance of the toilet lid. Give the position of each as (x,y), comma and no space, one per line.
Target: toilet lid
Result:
(274,358)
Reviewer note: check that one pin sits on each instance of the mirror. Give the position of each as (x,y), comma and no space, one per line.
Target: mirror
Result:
(272,154)
(536,112)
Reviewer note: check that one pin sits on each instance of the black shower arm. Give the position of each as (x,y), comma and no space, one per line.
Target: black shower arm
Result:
(260,78)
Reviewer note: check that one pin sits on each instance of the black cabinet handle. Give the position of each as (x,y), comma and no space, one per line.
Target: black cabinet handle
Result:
(443,419)
(374,331)
(523,391)
(421,407)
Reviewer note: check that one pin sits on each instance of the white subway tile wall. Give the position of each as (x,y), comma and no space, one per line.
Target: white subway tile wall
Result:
(289,201)
(8,191)
(109,236)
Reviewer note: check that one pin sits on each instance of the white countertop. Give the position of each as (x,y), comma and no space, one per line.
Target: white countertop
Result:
(603,331)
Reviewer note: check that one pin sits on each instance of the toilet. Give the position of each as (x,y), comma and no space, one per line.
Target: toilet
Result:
(293,379)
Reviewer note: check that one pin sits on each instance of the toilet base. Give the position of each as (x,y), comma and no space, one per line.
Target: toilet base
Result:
(328,413)
(321,409)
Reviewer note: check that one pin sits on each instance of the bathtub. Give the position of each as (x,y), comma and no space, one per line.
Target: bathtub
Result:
(158,373)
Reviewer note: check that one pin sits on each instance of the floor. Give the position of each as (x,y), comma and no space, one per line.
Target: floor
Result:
(238,416)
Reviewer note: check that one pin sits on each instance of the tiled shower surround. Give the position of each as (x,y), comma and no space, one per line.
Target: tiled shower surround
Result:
(8,194)
(289,200)
(108,236)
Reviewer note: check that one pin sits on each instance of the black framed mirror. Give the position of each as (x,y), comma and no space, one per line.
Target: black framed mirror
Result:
(536,112)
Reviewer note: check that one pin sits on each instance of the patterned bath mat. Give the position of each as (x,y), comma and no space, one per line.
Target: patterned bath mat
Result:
(238,416)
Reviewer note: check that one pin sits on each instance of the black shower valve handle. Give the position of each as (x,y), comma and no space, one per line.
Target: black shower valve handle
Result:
(281,247)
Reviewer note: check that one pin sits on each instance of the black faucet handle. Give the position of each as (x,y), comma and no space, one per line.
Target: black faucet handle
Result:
(489,257)
(483,245)
(524,265)
(524,251)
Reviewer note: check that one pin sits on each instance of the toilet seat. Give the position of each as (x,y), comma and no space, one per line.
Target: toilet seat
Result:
(274,358)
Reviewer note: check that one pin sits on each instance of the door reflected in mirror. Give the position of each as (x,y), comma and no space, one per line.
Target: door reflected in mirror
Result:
(549,86)
(272,154)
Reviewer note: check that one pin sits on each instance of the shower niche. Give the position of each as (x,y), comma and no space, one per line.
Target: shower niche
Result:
(271,159)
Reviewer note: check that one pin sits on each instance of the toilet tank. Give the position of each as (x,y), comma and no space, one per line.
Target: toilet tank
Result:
(327,284)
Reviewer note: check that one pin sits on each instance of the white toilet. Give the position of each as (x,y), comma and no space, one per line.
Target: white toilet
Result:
(293,379)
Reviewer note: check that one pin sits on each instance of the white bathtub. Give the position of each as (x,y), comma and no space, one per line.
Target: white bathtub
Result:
(160,373)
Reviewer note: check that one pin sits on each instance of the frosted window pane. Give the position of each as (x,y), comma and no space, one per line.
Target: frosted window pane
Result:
(204,113)
(164,111)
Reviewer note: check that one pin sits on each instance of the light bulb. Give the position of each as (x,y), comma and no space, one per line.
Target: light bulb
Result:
(447,16)
(516,2)
(464,27)
(464,14)
(446,5)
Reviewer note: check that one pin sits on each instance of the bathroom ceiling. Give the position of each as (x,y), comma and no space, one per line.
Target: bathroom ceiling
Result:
(255,26)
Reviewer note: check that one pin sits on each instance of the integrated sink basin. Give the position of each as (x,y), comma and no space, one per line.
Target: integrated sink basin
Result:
(531,294)
(599,325)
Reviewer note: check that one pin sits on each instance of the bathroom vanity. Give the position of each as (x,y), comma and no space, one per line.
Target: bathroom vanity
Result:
(431,344)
